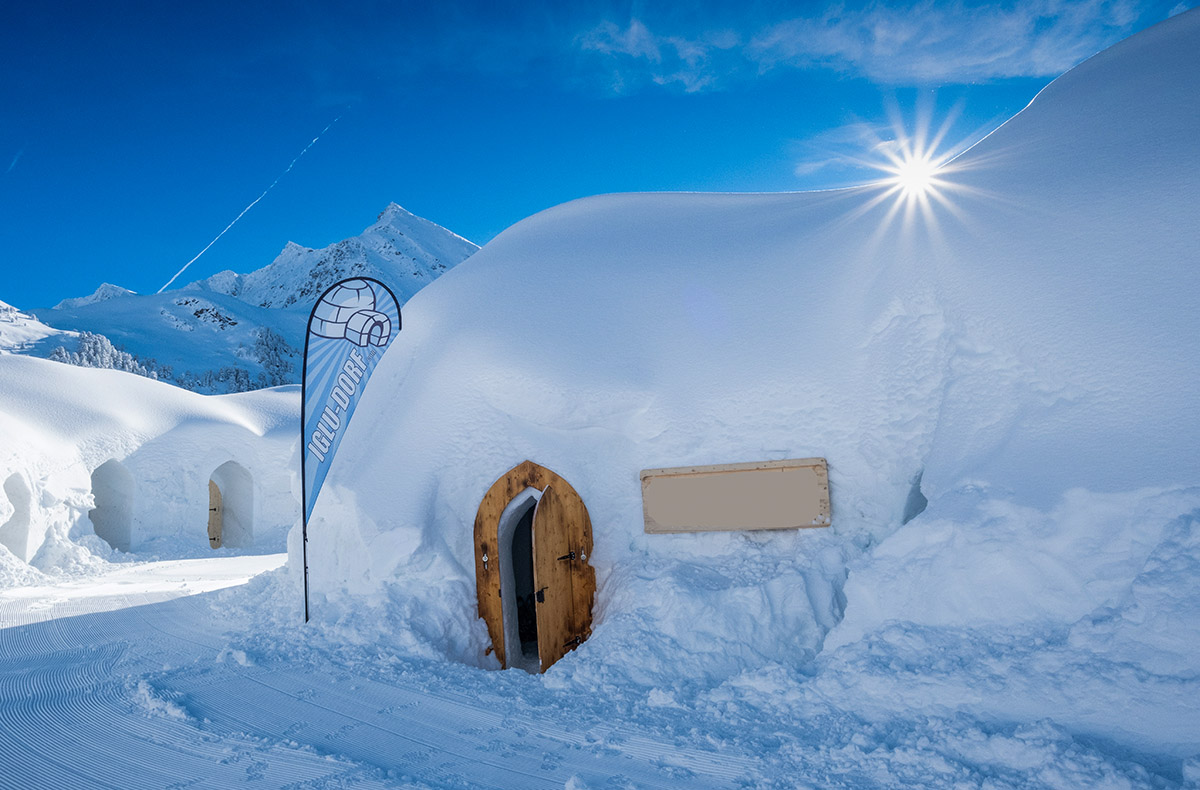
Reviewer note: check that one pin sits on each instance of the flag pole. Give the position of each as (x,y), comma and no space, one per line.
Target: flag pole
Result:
(353,322)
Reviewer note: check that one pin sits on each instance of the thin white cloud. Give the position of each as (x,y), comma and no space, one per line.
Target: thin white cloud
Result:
(948,42)
(635,41)
(638,55)
(916,43)
(839,148)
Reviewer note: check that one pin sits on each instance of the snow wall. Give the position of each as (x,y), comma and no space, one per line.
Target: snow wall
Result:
(1019,350)
(91,452)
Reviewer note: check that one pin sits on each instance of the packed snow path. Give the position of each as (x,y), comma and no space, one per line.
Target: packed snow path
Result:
(150,675)
(151,695)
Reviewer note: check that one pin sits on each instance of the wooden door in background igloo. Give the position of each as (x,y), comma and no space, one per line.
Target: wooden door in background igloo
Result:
(214,515)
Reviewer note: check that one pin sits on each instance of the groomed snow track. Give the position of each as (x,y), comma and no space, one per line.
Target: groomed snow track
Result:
(151,696)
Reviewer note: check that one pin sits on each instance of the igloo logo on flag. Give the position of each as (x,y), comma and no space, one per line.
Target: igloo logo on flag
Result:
(350,327)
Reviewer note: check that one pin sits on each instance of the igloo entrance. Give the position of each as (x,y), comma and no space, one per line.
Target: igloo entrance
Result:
(14,533)
(112,517)
(534,582)
(230,506)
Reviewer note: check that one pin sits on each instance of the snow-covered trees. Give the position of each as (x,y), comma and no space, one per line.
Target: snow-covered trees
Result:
(220,381)
(97,351)
(272,351)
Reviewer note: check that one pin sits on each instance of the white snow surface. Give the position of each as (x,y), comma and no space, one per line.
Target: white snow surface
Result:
(19,330)
(1022,347)
(1021,354)
(190,331)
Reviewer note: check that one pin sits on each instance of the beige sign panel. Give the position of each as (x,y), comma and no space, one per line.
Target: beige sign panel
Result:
(768,495)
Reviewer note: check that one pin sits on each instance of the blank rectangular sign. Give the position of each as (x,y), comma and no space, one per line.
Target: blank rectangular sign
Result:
(767,495)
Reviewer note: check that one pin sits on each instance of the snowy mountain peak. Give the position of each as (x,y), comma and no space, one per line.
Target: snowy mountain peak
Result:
(105,292)
(400,248)
(393,212)
(224,282)
(398,218)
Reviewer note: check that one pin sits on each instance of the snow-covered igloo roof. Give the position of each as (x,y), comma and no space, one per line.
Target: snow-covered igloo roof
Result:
(1031,330)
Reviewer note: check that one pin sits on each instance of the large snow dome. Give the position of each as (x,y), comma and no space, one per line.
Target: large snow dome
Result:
(1023,340)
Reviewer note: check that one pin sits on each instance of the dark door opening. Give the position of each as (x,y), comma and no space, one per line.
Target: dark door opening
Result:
(522,560)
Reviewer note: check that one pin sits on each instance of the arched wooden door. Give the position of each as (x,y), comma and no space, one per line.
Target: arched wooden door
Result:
(562,542)
(215,515)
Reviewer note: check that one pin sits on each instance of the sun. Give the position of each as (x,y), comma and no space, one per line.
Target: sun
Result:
(919,177)
(915,174)
(916,164)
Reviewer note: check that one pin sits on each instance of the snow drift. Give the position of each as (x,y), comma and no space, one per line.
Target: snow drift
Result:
(1018,350)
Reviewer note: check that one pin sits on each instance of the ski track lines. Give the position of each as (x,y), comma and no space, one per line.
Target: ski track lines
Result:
(438,739)
(70,717)
(68,720)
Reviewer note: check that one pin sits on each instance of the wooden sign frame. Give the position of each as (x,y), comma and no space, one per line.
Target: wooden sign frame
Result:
(789,494)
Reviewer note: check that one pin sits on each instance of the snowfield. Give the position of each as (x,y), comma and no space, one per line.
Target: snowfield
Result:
(1003,380)
(180,692)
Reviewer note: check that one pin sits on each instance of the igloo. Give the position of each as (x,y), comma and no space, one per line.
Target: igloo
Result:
(994,335)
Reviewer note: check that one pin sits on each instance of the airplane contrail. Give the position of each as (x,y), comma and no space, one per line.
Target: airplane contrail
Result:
(15,159)
(247,208)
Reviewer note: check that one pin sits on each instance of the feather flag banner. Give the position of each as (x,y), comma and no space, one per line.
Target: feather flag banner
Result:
(350,327)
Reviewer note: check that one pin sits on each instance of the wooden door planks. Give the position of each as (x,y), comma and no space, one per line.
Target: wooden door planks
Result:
(578,529)
(552,579)
(215,515)
(487,525)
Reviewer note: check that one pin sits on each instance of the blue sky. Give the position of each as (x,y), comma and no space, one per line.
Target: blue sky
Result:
(133,133)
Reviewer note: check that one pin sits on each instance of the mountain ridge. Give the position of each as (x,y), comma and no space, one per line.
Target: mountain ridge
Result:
(231,332)
(105,292)
(398,243)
